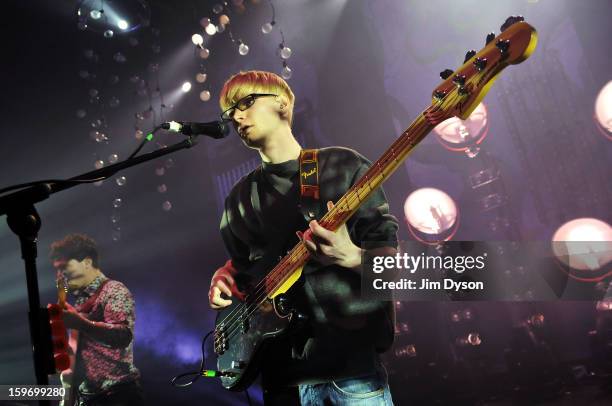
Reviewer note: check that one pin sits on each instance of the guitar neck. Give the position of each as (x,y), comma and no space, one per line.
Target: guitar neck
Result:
(377,174)
(356,195)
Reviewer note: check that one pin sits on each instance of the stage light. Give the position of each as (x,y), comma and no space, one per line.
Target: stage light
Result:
(122,24)
(96,14)
(121,180)
(197,40)
(431,215)
(109,34)
(117,203)
(186,87)
(584,244)
(167,206)
(464,135)
(603,110)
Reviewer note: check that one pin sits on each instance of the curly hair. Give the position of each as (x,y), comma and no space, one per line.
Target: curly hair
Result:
(75,246)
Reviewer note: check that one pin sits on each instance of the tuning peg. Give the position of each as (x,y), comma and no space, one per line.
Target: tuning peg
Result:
(469,55)
(503,45)
(490,37)
(463,91)
(480,63)
(439,94)
(445,74)
(459,80)
(510,21)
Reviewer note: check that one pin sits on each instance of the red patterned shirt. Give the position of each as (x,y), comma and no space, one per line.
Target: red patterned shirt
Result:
(106,362)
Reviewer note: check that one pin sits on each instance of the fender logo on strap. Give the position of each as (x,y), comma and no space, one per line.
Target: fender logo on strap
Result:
(310,172)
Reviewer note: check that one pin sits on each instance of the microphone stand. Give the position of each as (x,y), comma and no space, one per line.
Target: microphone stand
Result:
(24,221)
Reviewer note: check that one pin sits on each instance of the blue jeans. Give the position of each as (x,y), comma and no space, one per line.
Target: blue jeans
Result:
(369,390)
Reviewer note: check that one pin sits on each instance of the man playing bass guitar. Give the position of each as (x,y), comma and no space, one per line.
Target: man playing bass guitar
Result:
(333,357)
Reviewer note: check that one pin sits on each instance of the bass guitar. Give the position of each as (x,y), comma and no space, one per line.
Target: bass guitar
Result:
(246,328)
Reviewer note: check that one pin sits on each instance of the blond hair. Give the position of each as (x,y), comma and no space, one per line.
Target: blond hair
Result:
(255,81)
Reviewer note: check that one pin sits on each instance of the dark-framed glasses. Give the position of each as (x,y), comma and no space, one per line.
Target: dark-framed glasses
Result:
(243,104)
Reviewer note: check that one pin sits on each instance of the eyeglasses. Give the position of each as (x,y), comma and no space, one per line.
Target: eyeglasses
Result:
(243,104)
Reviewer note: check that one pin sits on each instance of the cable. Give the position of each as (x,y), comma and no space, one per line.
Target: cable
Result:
(197,374)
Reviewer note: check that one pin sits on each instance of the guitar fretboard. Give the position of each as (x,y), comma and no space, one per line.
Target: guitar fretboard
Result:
(355,196)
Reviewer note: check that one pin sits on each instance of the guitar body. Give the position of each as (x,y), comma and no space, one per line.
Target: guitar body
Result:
(245,344)
(244,331)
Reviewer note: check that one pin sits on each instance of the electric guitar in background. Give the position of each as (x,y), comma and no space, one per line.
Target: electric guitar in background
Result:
(68,356)
(246,328)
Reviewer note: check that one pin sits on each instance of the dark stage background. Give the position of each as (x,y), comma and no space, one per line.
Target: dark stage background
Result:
(362,71)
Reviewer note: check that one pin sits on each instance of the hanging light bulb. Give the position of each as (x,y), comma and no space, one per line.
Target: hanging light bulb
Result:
(285,52)
(204,22)
(243,48)
(205,95)
(224,19)
(286,72)
(267,27)
(197,40)
(204,53)
(201,77)
(95,14)
(211,29)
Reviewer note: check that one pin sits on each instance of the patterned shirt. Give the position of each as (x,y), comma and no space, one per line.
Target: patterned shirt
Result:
(107,361)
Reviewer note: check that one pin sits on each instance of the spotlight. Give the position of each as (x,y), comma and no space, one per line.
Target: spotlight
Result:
(584,244)
(603,110)
(186,87)
(122,24)
(431,215)
(464,135)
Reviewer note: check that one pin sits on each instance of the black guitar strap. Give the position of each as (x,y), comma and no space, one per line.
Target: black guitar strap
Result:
(309,184)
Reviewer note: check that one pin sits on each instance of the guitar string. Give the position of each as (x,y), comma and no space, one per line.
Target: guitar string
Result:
(278,272)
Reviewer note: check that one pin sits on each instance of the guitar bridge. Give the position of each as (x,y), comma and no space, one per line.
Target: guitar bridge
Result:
(220,339)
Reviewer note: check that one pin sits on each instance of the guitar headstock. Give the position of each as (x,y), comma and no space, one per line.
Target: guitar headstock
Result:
(463,89)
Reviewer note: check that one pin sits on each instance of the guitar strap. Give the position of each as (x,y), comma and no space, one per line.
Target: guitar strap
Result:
(88,305)
(309,184)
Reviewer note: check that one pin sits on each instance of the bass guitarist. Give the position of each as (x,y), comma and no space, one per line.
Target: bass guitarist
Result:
(333,357)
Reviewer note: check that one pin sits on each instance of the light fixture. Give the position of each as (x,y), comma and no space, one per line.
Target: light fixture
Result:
(431,215)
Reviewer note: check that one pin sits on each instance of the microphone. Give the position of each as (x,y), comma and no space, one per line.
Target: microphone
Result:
(214,129)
